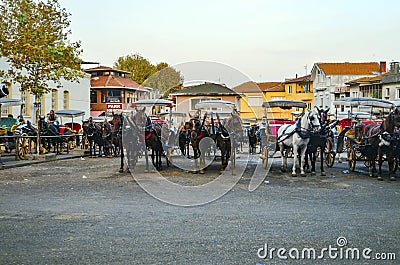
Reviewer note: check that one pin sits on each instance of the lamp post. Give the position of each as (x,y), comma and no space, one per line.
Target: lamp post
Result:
(37,106)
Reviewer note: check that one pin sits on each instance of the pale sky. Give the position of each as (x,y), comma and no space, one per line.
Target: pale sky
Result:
(263,40)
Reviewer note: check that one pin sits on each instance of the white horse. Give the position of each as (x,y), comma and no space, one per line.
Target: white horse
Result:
(297,136)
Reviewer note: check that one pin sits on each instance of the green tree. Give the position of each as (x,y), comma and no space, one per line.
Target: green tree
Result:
(140,67)
(34,40)
(161,77)
(164,79)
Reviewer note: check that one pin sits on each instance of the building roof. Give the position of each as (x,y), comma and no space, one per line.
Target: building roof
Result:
(105,68)
(365,80)
(112,81)
(247,87)
(271,87)
(349,68)
(299,79)
(205,89)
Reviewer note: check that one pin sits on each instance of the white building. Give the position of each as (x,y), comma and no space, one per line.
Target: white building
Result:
(71,95)
(329,80)
(391,83)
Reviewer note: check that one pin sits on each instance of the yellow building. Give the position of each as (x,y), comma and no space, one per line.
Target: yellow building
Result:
(301,89)
(254,94)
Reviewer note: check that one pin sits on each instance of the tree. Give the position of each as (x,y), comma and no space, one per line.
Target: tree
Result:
(140,67)
(165,79)
(34,39)
(161,77)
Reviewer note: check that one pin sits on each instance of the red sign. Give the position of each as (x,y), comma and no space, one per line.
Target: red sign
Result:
(114,106)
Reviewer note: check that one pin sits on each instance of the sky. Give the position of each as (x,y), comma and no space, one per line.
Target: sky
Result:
(263,40)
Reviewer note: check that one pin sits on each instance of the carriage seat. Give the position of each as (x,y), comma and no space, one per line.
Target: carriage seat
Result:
(74,126)
(7,122)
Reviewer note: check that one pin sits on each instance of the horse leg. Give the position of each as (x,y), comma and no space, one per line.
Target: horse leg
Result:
(322,152)
(380,162)
(295,160)
(391,164)
(202,162)
(146,155)
(284,158)
(313,161)
(302,155)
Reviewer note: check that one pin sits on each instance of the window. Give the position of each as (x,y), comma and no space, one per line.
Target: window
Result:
(387,92)
(25,97)
(309,105)
(397,92)
(54,99)
(93,96)
(194,101)
(114,96)
(66,99)
(277,98)
(255,101)
(290,90)
(354,94)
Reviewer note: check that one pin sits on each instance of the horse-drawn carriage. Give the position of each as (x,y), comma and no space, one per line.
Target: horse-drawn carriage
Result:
(270,126)
(8,125)
(367,140)
(139,133)
(224,128)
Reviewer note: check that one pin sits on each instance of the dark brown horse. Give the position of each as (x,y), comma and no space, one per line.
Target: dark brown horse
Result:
(133,138)
(116,138)
(233,126)
(379,140)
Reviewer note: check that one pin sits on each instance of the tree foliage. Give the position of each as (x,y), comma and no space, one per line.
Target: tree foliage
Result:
(161,77)
(34,39)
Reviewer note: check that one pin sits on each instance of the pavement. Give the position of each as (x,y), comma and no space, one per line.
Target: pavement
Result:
(10,161)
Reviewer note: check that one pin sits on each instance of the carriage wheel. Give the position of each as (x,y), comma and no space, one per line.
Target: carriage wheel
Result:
(23,146)
(329,153)
(264,157)
(351,157)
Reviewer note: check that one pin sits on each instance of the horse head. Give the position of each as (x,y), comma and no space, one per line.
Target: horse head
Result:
(311,121)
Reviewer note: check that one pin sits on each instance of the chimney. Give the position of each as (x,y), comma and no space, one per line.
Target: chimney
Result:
(382,65)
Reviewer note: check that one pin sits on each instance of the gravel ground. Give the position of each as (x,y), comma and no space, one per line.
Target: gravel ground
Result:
(85,212)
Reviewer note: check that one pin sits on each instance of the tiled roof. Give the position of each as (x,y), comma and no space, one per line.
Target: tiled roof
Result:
(112,81)
(299,79)
(105,68)
(349,68)
(205,89)
(272,87)
(247,87)
(365,79)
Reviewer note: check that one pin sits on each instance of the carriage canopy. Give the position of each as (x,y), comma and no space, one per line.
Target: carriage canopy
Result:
(215,104)
(284,104)
(370,102)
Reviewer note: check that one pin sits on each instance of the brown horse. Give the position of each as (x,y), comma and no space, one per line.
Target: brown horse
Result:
(378,140)
(231,133)
(116,138)
(133,138)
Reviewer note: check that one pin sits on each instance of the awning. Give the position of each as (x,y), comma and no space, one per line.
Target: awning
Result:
(97,113)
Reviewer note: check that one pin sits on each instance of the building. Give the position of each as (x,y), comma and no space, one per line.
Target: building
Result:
(391,83)
(250,102)
(71,95)
(329,79)
(301,89)
(111,89)
(187,98)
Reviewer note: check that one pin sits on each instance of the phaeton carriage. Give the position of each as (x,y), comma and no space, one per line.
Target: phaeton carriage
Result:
(269,126)
(140,132)
(70,131)
(9,125)
(353,137)
(225,129)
